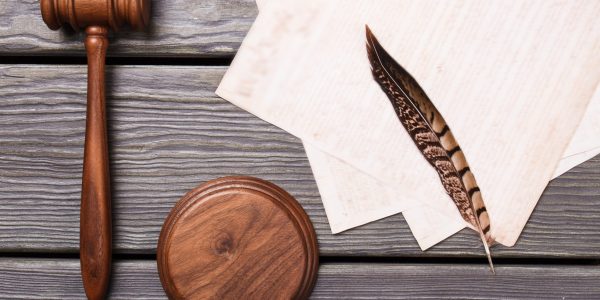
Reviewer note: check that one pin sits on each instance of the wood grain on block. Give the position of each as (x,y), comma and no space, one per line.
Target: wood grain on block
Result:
(168,132)
(59,279)
(238,237)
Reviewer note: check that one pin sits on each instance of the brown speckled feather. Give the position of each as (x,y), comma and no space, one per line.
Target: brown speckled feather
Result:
(431,134)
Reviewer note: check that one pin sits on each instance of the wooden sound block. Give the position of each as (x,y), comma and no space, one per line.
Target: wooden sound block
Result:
(237,238)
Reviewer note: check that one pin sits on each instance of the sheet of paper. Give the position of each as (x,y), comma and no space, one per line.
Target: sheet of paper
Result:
(343,112)
(429,225)
(585,144)
(350,203)
(352,198)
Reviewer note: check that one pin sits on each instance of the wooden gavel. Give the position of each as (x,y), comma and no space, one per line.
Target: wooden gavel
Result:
(96,17)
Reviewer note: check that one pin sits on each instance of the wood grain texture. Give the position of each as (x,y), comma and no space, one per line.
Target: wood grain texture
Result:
(95,239)
(237,237)
(81,14)
(59,279)
(169,132)
(199,28)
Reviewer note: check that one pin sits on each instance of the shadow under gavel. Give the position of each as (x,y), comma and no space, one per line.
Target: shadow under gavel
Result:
(95,17)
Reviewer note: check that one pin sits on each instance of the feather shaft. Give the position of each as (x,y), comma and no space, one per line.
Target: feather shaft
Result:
(432,136)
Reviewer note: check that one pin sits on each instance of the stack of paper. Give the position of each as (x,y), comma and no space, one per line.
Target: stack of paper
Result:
(513,79)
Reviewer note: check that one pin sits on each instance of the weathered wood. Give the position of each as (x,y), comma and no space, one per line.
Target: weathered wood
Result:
(169,133)
(198,28)
(59,279)
(387,281)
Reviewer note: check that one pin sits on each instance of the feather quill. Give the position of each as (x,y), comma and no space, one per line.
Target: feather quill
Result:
(432,136)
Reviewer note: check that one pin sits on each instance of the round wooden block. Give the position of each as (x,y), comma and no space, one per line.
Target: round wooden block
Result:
(237,238)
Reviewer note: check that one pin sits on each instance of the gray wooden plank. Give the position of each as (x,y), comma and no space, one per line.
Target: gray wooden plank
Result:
(169,132)
(60,279)
(432,281)
(198,28)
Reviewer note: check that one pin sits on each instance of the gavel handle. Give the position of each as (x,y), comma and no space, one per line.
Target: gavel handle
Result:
(95,215)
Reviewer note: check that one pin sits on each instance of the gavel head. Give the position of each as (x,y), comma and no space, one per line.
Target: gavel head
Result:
(80,14)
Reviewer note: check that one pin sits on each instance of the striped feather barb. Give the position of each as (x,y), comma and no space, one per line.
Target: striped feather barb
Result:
(432,136)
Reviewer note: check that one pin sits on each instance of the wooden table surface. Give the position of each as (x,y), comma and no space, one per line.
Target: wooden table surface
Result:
(169,132)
